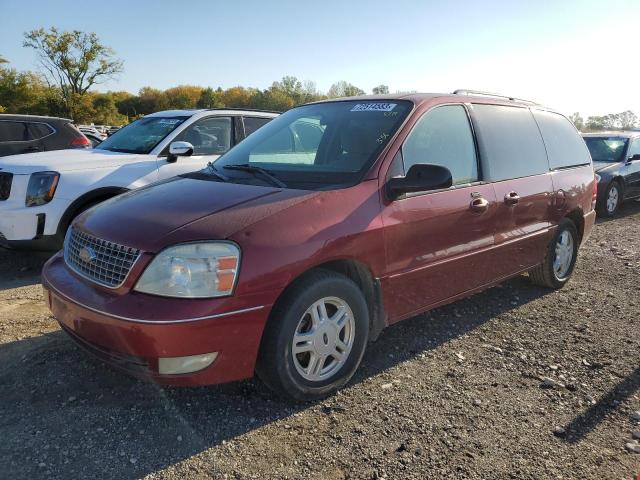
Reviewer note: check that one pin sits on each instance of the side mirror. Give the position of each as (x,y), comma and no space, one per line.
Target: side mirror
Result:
(635,157)
(420,177)
(179,149)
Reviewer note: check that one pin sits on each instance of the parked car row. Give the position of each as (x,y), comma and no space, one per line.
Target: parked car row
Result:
(285,253)
(30,133)
(616,160)
(40,194)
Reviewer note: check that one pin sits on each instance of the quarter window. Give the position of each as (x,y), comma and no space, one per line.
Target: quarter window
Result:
(39,130)
(510,143)
(209,136)
(565,147)
(443,136)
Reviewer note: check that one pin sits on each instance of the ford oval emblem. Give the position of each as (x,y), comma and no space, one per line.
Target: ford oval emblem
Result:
(87,254)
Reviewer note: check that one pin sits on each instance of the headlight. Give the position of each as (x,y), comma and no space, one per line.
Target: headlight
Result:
(598,178)
(192,270)
(42,187)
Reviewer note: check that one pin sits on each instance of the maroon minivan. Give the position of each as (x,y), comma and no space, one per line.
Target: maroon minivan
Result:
(293,250)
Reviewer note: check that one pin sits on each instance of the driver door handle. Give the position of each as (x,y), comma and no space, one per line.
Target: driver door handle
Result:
(511,198)
(479,204)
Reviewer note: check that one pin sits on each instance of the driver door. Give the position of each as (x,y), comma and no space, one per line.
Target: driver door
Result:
(632,170)
(210,137)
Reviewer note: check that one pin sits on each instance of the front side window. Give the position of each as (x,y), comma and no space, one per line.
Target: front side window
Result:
(606,149)
(634,148)
(251,124)
(510,142)
(443,136)
(321,146)
(141,136)
(209,136)
(13,131)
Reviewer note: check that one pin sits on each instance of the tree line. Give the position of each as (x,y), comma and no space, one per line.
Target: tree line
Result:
(73,62)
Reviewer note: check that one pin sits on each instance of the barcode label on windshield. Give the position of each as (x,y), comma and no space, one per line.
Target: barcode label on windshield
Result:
(374,107)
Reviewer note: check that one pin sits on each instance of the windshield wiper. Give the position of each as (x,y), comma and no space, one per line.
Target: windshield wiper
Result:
(245,167)
(216,173)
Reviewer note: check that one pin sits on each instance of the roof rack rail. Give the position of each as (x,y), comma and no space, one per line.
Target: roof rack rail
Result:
(464,91)
(244,109)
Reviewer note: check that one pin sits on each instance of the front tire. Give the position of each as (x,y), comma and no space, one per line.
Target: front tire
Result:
(612,199)
(560,258)
(315,338)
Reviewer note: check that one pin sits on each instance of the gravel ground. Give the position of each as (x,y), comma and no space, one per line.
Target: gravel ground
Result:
(516,382)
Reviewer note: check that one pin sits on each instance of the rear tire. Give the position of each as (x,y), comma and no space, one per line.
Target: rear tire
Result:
(315,338)
(560,258)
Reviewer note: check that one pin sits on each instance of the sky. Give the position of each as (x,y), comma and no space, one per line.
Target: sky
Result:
(572,55)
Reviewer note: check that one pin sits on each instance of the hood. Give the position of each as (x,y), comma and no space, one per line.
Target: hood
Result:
(598,166)
(184,209)
(65,160)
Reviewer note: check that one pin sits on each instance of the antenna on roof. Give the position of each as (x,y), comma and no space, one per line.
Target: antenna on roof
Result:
(464,91)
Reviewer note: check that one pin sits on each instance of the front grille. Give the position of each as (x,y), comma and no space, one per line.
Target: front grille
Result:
(98,260)
(5,185)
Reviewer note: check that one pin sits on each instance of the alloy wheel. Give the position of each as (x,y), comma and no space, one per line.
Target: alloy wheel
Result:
(323,339)
(564,255)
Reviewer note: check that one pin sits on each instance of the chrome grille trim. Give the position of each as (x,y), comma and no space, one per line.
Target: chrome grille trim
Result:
(110,264)
(5,185)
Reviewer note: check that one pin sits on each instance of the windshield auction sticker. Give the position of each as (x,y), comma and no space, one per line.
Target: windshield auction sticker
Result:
(374,107)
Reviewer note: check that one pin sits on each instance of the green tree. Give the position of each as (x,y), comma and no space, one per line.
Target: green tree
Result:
(183,96)
(380,90)
(577,120)
(27,93)
(210,98)
(344,89)
(73,61)
(628,120)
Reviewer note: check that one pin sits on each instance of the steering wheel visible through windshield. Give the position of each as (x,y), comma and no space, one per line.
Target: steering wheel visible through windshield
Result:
(320,146)
(142,135)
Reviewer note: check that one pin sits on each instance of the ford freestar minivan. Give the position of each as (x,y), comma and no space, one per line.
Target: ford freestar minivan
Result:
(290,252)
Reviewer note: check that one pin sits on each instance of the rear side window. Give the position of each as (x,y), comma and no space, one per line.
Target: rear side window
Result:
(443,136)
(565,147)
(251,124)
(510,143)
(39,130)
(13,131)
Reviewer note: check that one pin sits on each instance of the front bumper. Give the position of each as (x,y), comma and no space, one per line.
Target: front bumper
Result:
(21,224)
(132,331)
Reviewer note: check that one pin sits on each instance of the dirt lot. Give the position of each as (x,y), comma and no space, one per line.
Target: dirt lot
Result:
(457,393)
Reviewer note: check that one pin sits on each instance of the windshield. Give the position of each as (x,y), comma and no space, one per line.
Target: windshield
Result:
(142,135)
(606,149)
(320,146)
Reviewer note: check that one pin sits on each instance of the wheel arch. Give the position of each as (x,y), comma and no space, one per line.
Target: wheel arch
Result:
(577,217)
(360,273)
(93,196)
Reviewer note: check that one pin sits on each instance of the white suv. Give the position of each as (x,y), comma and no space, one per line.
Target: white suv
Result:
(41,193)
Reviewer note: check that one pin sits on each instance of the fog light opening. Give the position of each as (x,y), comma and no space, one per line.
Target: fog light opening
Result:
(190,364)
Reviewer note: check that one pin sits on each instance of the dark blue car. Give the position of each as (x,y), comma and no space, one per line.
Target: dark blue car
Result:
(616,161)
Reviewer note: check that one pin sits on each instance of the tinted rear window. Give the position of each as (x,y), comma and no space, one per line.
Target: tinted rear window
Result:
(39,130)
(510,142)
(565,147)
(13,131)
